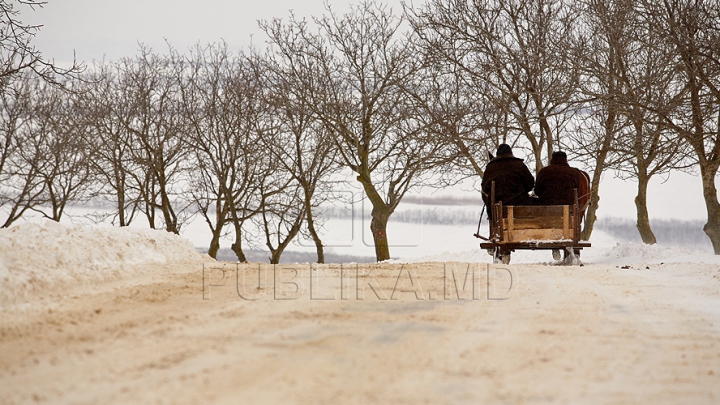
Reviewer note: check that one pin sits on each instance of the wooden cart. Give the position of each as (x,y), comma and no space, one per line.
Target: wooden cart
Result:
(534,227)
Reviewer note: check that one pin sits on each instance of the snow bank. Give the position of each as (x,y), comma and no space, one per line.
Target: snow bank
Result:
(638,253)
(603,251)
(40,259)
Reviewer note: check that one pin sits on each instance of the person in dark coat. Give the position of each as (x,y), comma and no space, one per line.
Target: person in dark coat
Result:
(556,183)
(513,180)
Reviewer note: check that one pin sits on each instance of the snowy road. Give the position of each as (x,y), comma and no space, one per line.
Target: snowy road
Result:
(597,334)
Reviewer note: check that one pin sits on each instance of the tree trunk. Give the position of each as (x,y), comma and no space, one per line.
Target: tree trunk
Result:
(214,244)
(643,219)
(149,201)
(166,208)
(121,205)
(311,228)
(11,217)
(537,152)
(378,227)
(237,246)
(275,256)
(545,127)
(120,189)
(52,200)
(277,252)
(712,227)
(316,238)
(151,217)
(216,228)
(591,213)
(378,224)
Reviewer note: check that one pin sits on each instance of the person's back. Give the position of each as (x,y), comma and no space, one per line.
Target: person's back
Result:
(557,182)
(513,180)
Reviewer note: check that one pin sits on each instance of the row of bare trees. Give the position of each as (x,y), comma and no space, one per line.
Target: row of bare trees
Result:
(624,85)
(252,141)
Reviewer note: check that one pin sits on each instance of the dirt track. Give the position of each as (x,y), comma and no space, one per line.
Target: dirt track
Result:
(592,334)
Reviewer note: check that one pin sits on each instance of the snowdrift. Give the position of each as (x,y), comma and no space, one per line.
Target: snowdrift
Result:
(37,260)
(604,251)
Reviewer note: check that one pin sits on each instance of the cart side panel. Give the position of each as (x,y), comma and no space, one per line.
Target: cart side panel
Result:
(537,223)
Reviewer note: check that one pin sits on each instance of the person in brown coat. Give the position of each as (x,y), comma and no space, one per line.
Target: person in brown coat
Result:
(513,180)
(556,183)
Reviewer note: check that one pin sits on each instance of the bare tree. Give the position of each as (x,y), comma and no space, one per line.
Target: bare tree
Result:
(691,30)
(156,125)
(301,146)
(281,211)
(354,74)
(221,100)
(606,29)
(519,56)
(646,73)
(21,187)
(627,71)
(281,206)
(104,107)
(20,62)
(58,133)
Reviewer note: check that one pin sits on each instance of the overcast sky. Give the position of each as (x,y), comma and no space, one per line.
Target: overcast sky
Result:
(113,28)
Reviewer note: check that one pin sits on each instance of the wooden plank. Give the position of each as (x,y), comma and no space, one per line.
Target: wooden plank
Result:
(576,220)
(552,234)
(501,225)
(531,211)
(566,222)
(537,223)
(535,245)
(510,222)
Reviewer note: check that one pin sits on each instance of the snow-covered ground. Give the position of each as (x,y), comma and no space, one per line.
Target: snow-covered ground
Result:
(46,257)
(116,316)
(41,259)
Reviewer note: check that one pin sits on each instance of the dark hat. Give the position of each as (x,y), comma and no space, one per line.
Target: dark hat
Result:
(558,157)
(504,149)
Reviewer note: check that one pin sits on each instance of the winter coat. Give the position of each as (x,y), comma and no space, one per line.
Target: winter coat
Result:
(584,190)
(513,181)
(557,182)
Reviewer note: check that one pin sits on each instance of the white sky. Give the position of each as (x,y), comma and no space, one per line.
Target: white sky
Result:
(113,28)
(94,29)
